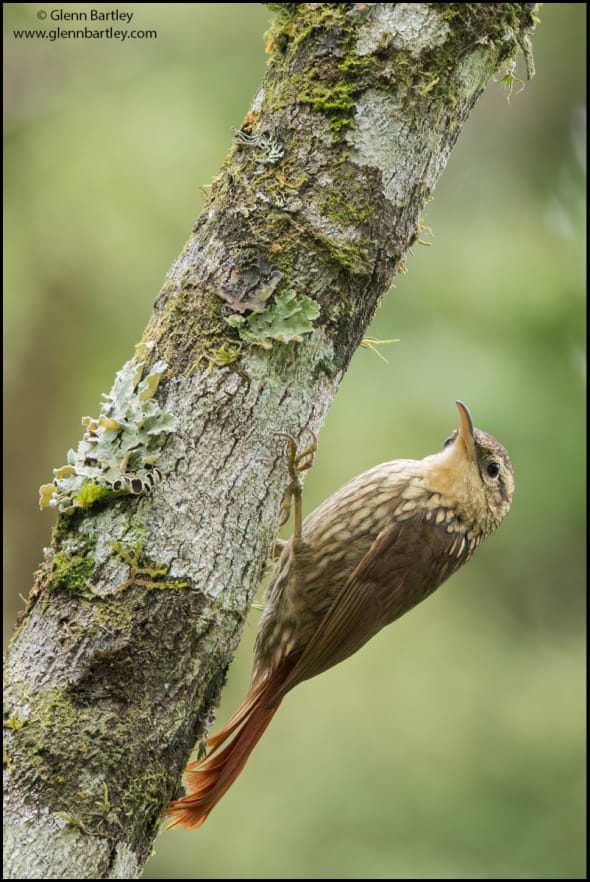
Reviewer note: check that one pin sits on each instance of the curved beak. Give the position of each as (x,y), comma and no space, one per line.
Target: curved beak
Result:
(466,431)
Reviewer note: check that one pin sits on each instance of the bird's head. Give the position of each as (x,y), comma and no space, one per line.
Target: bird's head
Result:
(475,470)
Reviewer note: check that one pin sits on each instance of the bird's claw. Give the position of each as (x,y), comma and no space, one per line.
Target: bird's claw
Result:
(297,461)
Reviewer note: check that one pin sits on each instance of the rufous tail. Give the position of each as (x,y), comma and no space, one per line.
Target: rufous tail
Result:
(210,778)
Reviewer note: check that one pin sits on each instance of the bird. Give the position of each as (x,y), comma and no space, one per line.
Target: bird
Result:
(368,554)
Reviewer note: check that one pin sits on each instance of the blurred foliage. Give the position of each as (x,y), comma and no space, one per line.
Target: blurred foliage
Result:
(452,746)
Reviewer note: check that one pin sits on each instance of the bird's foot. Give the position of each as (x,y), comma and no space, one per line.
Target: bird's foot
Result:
(297,461)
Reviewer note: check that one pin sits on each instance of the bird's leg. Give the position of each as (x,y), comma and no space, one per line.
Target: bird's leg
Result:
(277,548)
(297,462)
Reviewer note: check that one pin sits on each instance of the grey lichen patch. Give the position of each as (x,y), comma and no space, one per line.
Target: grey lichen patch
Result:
(379,140)
(472,73)
(118,450)
(250,286)
(409,26)
(441,56)
(261,312)
(284,318)
(291,316)
(267,147)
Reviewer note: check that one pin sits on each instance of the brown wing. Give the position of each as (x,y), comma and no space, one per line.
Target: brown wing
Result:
(405,564)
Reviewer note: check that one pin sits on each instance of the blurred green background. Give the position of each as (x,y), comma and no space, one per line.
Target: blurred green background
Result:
(452,746)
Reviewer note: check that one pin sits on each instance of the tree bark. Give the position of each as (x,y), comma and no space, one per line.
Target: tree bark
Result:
(120,656)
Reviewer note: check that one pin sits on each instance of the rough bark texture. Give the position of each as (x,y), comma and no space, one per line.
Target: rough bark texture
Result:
(139,604)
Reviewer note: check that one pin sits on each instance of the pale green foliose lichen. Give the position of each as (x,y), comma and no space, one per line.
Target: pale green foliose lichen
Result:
(118,450)
(291,316)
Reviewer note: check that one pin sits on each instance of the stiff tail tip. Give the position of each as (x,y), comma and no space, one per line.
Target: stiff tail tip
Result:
(210,778)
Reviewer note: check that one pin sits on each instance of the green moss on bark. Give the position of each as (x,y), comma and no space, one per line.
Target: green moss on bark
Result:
(71,573)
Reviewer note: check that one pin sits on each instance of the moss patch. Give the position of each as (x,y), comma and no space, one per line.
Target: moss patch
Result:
(142,572)
(327,88)
(71,572)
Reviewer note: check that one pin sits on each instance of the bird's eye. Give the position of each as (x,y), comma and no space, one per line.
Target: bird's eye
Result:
(493,469)
(449,440)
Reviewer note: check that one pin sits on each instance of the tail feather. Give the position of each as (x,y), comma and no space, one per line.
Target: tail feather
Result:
(235,721)
(210,778)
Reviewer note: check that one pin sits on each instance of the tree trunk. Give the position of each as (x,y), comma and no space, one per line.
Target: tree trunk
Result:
(169,511)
